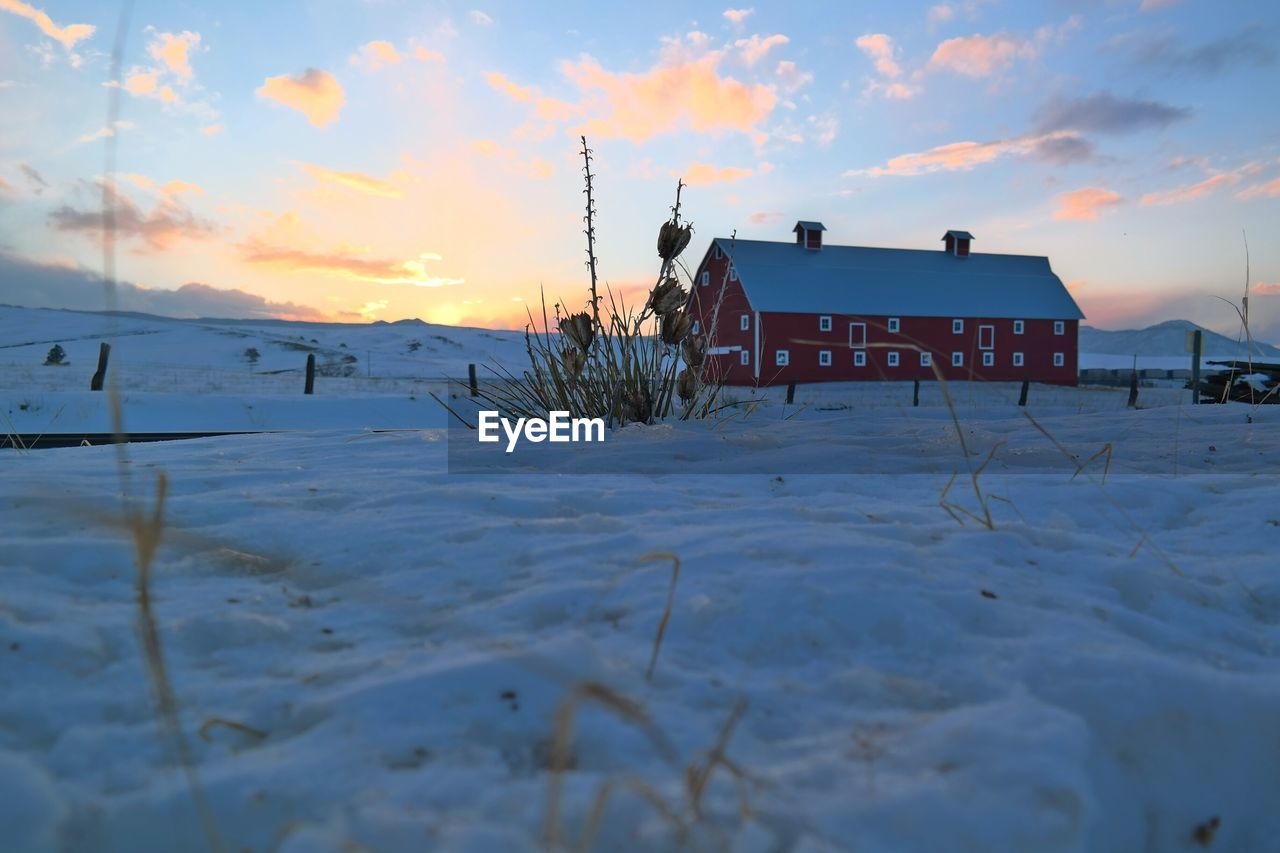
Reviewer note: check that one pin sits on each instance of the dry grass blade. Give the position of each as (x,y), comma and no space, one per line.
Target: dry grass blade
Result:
(216,722)
(1080,466)
(587,838)
(698,773)
(450,410)
(625,708)
(1143,538)
(666,611)
(147,529)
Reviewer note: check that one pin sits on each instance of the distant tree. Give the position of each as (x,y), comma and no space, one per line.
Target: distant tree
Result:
(57,355)
(414,346)
(252,355)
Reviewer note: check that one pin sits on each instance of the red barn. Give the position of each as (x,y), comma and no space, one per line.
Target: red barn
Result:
(779,312)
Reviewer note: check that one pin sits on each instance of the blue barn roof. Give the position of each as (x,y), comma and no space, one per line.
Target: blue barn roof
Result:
(787,278)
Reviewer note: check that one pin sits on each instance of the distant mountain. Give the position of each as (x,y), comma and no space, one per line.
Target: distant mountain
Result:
(1167,339)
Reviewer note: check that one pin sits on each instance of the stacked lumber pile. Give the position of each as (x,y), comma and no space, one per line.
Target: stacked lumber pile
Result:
(1241,381)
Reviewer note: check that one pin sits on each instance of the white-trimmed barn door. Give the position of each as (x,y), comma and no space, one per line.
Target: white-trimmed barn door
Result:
(857,335)
(987,344)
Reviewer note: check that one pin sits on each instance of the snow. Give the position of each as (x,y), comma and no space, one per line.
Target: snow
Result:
(389,622)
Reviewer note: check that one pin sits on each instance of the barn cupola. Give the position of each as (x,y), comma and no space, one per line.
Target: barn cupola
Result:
(809,234)
(957,243)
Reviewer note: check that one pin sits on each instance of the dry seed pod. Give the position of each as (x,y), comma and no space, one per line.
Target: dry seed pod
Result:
(573,361)
(668,296)
(637,407)
(694,350)
(672,239)
(675,327)
(577,328)
(687,385)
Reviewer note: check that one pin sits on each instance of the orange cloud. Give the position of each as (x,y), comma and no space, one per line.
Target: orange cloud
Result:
(174,51)
(534,167)
(344,262)
(979,55)
(376,54)
(503,84)
(1191,192)
(736,17)
(427,55)
(1270,189)
(165,225)
(353,180)
(141,83)
(790,77)
(700,174)
(669,97)
(959,156)
(1085,203)
(67,36)
(212,130)
(879,47)
(755,48)
(314,93)
(1264,289)
(549,110)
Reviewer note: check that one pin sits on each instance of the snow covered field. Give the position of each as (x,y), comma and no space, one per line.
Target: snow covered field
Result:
(369,646)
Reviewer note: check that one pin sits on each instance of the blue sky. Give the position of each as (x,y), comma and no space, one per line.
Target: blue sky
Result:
(385,159)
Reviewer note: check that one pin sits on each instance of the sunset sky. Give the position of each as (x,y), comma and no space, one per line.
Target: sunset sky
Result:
(389,159)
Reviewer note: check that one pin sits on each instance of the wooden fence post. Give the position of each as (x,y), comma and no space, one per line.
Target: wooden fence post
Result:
(1197,352)
(471,380)
(1022,396)
(915,397)
(791,393)
(1133,390)
(104,353)
(311,374)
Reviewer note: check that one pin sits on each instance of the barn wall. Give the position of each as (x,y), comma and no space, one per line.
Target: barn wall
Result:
(801,336)
(733,305)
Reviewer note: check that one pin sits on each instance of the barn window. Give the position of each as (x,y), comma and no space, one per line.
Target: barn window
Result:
(745,357)
(988,359)
(694,328)
(957,327)
(733,273)
(860,358)
(824,358)
(1018,327)
(824,324)
(1017,359)
(894,324)
(782,358)
(717,253)
(704,279)
(744,322)
(1058,359)
(957,359)
(893,359)
(1059,327)
(926,359)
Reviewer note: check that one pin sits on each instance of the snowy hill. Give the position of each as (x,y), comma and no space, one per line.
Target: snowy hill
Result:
(1167,340)
(405,350)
